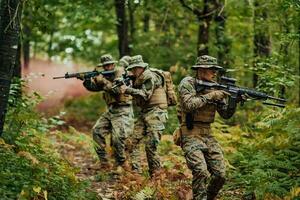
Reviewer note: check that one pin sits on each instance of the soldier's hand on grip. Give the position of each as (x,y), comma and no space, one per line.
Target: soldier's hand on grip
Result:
(123,89)
(217,95)
(80,77)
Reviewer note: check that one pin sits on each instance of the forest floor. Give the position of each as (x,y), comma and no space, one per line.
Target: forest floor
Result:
(172,182)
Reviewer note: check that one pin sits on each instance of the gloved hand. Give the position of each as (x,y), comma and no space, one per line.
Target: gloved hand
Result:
(123,89)
(98,79)
(80,77)
(216,95)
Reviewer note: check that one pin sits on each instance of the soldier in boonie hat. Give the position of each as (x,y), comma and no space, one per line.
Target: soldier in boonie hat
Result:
(106,59)
(206,62)
(124,61)
(136,61)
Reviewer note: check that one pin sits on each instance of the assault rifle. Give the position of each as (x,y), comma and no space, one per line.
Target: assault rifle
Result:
(125,80)
(86,75)
(237,93)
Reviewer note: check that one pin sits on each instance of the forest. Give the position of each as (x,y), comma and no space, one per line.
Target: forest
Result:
(46,144)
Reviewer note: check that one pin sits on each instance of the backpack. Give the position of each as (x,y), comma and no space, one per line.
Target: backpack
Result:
(168,86)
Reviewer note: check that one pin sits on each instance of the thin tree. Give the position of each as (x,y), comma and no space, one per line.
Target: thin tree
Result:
(146,18)
(204,17)
(122,27)
(262,42)
(222,41)
(10,11)
(26,45)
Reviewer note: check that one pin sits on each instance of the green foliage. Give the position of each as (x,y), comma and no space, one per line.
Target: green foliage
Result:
(85,110)
(268,160)
(146,193)
(172,122)
(30,168)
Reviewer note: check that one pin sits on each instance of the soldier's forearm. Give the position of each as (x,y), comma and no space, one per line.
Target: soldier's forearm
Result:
(193,103)
(137,92)
(91,86)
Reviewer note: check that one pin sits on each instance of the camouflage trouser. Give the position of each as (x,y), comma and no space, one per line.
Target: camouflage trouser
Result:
(147,130)
(205,158)
(119,122)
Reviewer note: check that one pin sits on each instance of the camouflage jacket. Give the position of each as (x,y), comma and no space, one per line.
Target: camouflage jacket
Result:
(144,87)
(104,83)
(202,108)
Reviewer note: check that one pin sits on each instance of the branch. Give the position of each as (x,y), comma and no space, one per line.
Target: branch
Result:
(200,14)
(195,11)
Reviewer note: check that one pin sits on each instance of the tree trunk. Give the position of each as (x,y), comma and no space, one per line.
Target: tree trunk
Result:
(146,19)
(222,41)
(49,51)
(284,50)
(204,17)
(262,43)
(17,67)
(26,46)
(122,27)
(203,33)
(131,11)
(9,37)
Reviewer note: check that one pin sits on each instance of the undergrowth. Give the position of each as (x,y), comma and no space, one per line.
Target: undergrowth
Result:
(30,168)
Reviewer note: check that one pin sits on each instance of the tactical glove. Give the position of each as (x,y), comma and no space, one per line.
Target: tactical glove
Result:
(216,95)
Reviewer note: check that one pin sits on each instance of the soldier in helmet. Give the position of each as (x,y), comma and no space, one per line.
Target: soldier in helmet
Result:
(202,152)
(150,96)
(118,120)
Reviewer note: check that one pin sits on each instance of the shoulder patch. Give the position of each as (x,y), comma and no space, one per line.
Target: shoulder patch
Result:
(148,84)
(187,83)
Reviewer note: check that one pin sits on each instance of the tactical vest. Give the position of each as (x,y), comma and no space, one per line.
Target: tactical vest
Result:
(168,86)
(120,99)
(158,98)
(205,114)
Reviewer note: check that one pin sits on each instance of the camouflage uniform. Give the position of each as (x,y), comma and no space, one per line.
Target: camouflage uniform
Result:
(118,120)
(149,95)
(202,152)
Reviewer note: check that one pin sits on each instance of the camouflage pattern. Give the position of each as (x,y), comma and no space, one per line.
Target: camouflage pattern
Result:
(204,157)
(136,61)
(150,124)
(143,88)
(124,61)
(202,152)
(117,120)
(147,130)
(206,61)
(106,59)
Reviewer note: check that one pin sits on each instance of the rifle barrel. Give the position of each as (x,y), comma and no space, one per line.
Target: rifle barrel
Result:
(58,77)
(277,99)
(274,104)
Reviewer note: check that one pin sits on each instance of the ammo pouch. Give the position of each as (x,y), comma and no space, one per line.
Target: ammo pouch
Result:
(189,120)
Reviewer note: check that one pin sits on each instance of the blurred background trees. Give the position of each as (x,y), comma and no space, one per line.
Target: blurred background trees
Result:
(257,40)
